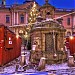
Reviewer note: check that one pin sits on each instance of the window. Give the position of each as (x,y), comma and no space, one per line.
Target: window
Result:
(68,21)
(68,33)
(22,18)
(7,18)
(48,13)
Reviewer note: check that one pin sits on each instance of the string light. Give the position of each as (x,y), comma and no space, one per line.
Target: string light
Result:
(33,13)
(34,5)
(71,37)
(17,36)
(64,15)
(29,18)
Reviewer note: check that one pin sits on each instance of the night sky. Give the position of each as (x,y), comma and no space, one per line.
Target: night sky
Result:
(57,3)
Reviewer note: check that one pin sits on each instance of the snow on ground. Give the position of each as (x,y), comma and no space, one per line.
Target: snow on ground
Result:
(56,69)
(11,69)
(57,66)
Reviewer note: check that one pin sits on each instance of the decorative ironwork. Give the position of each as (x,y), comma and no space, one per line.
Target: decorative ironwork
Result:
(49,42)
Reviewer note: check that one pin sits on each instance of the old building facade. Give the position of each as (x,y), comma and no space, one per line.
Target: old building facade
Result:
(16,16)
(47,35)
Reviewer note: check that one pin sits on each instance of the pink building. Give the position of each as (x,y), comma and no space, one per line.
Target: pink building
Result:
(67,19)
(17,15)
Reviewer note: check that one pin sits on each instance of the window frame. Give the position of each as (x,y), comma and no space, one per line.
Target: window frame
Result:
(7,18)
(21,18)
(68,21)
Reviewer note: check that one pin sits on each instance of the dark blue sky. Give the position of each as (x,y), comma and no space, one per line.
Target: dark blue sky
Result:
(57,3)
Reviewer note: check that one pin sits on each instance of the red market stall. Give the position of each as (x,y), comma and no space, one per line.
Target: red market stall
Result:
(10,45)
(70,44)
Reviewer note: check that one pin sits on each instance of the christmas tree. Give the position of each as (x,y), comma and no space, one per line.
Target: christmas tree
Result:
(33,14)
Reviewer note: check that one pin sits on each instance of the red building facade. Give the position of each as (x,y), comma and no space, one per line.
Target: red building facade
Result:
(17,15)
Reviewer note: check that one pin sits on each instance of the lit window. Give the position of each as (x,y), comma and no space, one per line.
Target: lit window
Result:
(68,21)
(7,18)
(22,18)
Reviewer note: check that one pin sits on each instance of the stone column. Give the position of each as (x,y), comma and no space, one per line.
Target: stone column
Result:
(14,18)
(71,61)
(23,62)
(61,40)
(58,40)
(42,63)
(54,40)
(74,20)
(26,18)
(17,32)
(17,18)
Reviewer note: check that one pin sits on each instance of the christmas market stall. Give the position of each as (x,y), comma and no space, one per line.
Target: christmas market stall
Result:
(10,45)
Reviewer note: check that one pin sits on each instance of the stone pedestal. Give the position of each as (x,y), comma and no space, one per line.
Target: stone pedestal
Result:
(27,57)
(42,63)
(71,61)
(17,66)
(23,62)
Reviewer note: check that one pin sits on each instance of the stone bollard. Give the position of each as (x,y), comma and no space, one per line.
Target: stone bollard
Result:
(71,61)
(17,66)
(27,56)
(42,63)
(1,69)
(23,59)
